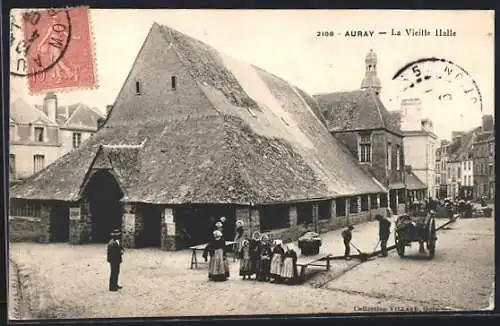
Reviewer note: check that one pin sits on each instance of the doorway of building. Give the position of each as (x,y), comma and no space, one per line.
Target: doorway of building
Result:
(150,235)
(103,194)
(59,223)
(195,223)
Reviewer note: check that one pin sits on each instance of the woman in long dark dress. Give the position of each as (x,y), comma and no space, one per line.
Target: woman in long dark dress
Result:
(216,248)
(255,251)
(289,270)
(277,257)
(264,259)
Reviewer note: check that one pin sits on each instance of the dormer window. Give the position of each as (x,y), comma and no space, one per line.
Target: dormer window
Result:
(172,82)
(39,136)
(364,147)
(138,89)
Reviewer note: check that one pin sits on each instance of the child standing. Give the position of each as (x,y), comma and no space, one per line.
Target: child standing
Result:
(245,262)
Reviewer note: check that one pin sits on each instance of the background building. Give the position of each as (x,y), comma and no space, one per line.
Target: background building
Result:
(420,143)
(442,169)
(41,134)
(484,160)
(372,134)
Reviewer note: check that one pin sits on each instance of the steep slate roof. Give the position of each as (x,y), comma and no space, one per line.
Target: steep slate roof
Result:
(23,113)
(413,182)
(354,110)
(75,116)
(255,141)
(461,148)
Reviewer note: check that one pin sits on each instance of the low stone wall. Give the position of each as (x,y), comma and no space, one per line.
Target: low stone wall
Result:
(26,229)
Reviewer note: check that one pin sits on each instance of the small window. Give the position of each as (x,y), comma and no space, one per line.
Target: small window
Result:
(39,134)
(38,162)
(138,88)
(365,147)
(172,80)
(77,139)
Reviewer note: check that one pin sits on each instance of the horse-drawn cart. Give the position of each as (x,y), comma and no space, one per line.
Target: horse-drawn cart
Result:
(419,226)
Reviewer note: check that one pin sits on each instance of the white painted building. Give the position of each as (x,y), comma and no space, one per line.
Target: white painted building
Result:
(420,143)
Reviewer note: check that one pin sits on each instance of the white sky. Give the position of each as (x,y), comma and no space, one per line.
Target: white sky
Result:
(285,44)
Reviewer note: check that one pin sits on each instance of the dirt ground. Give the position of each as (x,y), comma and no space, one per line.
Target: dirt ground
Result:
(66,281)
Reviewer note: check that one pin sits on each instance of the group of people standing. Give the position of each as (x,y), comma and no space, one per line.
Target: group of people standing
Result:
(258,256)
(267,260)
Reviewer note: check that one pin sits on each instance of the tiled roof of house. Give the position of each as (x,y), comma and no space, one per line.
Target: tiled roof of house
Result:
(23,113)
(461,148)
(251,137)
(355,110)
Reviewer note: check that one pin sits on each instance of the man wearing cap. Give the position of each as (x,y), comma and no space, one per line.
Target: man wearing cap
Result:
(347,236)
(115,251)
(384,231)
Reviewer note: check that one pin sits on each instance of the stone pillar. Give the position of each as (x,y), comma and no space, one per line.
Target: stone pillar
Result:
(292,215)
(45,211)
(333,209)
(79,229)
(358,199)
(243,213)
(128,225)
(369,208)
(378,200)
(254,219)
(315,217)
(168,239)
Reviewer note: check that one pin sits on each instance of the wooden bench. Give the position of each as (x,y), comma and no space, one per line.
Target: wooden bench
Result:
(201,247)
(305,261)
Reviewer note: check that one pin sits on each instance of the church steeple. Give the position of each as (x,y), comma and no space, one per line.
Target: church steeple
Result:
(371,80)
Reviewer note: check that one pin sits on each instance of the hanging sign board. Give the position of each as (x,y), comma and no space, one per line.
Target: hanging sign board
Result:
(169,215)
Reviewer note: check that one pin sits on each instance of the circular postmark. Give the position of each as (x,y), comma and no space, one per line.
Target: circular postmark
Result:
(442,79)
(38,40)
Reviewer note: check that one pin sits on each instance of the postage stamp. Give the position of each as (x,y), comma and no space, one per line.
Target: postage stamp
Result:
(54,49)
(251,162)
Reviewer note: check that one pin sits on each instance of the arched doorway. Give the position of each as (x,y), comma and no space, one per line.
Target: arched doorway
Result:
(103,194)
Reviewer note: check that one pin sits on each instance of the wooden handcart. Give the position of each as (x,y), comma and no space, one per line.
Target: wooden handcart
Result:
(418,226)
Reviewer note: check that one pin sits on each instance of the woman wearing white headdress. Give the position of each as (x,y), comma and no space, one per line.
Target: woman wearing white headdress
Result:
(276,261)
(289,270)
(217,267)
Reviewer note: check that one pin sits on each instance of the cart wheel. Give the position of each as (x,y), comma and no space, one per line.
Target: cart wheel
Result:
(431,241)
(400,246)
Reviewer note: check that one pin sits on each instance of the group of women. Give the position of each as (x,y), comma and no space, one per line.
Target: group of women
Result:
(258,256)
(267,261)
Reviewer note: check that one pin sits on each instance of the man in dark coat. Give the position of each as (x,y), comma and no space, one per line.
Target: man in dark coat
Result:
(347,236)
(115,251)
(384,231)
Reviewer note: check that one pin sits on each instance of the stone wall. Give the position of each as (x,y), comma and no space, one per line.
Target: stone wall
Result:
(128,226)
(25,229)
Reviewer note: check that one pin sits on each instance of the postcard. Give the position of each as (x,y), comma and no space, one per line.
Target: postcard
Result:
(168,163)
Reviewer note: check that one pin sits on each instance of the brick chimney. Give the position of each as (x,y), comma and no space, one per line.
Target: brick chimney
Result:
(488,123)
(50,106)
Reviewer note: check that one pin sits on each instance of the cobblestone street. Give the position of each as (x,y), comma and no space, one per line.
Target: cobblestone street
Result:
(68,281)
